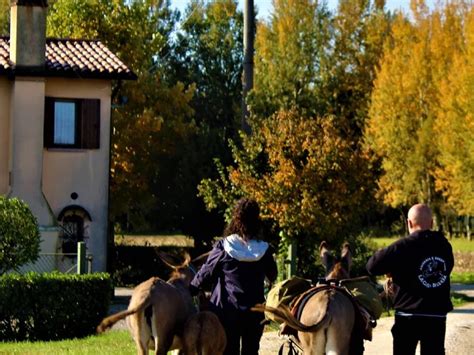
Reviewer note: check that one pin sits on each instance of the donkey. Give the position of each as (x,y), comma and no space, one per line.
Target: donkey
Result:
(170,304)
(327,314)
(204,335)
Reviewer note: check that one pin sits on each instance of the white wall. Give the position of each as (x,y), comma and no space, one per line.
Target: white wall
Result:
(5,90)
(85,172)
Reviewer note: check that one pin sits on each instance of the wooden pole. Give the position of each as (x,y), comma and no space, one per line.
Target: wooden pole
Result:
(247,77)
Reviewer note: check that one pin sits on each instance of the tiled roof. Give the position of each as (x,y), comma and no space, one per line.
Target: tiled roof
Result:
(73,58)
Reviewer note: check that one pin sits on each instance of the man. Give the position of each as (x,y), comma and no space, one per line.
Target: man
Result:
(420,267)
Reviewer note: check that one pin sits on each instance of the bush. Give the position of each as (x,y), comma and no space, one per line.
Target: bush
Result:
(52,306)
(19,234)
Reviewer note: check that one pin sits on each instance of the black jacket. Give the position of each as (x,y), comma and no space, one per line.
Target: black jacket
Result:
(420,265)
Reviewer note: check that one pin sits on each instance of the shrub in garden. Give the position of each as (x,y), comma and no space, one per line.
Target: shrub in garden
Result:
(19,234)
(52,306)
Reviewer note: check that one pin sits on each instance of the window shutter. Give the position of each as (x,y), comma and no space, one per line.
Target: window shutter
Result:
(48,128)
(90,124)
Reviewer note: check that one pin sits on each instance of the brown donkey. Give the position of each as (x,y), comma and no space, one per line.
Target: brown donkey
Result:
(170,305)
(325,314)
(204,335)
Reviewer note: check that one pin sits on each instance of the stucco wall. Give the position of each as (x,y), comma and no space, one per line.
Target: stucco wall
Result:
(85,172)
(5,89)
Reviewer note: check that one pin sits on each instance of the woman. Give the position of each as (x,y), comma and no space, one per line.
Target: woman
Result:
(237,267)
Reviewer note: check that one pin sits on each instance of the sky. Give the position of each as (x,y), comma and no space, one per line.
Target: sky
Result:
(264,6)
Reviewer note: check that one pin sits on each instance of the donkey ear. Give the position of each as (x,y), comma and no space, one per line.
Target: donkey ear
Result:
(168,259)
(327,259)
(187,259)
(346,256)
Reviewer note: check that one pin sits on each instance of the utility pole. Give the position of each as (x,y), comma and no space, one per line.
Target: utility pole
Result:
(247,77)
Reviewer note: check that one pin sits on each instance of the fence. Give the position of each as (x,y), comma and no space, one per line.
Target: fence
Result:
(69,263)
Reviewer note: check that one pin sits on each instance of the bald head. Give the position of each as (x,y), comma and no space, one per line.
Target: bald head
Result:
(419,218)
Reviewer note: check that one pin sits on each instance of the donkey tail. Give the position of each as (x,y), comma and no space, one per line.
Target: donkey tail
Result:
(283,314)
(114,318)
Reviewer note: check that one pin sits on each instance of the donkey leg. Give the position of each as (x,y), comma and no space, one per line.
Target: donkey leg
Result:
(140,332)
(313,343)
(162,333)
(339,334)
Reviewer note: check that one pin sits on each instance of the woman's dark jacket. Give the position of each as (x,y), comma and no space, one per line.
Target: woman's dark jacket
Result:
(237,270)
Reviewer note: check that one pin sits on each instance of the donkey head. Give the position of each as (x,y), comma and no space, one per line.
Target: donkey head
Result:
(180,271)
(337,268)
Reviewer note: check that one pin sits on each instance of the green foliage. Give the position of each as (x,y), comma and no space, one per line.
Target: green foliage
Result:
(308,174)
(207,56)
(459,299)
(291,56)
(19,234)
(152,117)
(4,17)
(463,278)
(52,306)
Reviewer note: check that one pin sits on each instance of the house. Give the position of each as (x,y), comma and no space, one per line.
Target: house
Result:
(55,124)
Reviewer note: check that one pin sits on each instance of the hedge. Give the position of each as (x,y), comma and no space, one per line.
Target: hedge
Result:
(52,306)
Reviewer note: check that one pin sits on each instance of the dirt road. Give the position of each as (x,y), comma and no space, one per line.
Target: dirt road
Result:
(459,329)
(459,332)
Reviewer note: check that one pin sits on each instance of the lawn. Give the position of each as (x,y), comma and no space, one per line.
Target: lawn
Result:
(113,342)
(463,258)
(459,244)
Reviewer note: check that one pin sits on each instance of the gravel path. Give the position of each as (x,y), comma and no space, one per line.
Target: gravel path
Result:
(459,332)
(459,329)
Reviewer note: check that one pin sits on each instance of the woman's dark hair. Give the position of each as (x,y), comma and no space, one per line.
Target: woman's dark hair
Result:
(245,219)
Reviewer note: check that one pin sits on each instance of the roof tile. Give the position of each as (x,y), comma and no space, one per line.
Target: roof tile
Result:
(79,58)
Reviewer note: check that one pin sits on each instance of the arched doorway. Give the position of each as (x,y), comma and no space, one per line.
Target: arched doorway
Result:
(74,222)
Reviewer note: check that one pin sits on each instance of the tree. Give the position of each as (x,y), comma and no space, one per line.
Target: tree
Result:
(291,55)
(405,104)
(207,55)
(19,234)
(152,118)
(302,173)
(455,129)
(4,17)
(360,29)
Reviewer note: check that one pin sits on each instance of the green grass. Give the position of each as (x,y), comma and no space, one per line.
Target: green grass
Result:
(462,277)
(459,244)
(458,299)
(113,342)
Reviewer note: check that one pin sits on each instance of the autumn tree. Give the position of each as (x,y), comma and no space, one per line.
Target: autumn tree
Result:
(151,116)
(304,176)
(406,103)
(454,128)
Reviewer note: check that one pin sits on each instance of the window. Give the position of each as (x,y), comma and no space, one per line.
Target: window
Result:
(72,123)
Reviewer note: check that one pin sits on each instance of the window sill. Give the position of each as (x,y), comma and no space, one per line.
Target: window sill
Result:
(71,150)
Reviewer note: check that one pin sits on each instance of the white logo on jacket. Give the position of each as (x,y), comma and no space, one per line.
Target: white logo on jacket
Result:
(433,272)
